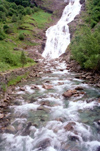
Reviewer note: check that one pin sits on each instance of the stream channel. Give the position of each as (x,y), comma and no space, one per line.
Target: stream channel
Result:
(44,119)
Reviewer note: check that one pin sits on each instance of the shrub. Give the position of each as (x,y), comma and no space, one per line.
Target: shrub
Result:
(86,49)
(28,11)
(23,59)
(2,35)
(21,37)
(14,18)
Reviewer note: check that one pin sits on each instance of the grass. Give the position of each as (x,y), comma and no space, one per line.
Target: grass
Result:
(14,81)
(41,18)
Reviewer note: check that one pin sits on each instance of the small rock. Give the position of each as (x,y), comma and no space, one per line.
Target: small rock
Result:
(88,77)
(22,89)
(60,83)
(74,138)
(98,85)
(16,49)
(43,143)
(78,88)
(47,86)
(47,103)
(1,116)
(69,126)
(43,108)
(35,87)
(98,122)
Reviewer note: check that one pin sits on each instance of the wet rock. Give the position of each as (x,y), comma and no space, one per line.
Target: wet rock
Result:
(32,99)
(1,116)
(44,143)
(79,88)
(35,87)
(98,122)
(59,119)
(22,89)
(73,138)
(69,126)
(47,81)
(89,101)
(47,86)
(88,77)
(43,108)
(98,149)
(82,1)
(98,85)
(69,93)
(60,83)
(11,129)
(47,103)
(26,131)
(61,69)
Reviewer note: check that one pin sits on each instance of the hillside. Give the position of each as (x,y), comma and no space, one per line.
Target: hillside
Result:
(85,47)
(21,29)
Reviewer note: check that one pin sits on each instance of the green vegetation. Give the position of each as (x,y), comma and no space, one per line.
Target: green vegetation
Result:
(23,59)
(19,25)
(85,45)
(14,81)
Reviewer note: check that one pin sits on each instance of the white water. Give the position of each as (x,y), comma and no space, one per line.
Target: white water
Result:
(58,36)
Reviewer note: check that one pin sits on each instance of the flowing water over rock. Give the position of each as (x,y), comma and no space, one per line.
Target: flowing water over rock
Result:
(56,112)
(43,119)
(58,36)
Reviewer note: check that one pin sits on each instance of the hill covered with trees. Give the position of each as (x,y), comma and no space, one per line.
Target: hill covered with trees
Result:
(85,45)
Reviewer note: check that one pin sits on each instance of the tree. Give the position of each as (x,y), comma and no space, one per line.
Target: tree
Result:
(14,18)
(23,59)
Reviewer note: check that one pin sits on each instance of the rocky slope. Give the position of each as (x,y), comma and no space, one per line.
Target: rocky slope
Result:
(51,6)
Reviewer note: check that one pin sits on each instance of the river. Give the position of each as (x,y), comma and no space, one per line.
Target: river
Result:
(42,118)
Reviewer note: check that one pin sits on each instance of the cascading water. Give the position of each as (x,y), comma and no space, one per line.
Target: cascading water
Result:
(58,36)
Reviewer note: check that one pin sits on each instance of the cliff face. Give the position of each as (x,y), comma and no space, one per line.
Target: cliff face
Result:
(52,6)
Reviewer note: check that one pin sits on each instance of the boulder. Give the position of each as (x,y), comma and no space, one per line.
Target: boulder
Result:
(47,86)
(82,1)
(11,129)
(69,93)
(98,148)
(69,126)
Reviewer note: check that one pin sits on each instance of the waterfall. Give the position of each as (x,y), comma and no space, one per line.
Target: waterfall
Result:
(58,36)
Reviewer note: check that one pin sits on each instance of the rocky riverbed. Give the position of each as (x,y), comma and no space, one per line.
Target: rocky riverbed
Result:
(52,111)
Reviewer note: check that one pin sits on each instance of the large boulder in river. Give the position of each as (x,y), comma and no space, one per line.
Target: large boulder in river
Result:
(69,93)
